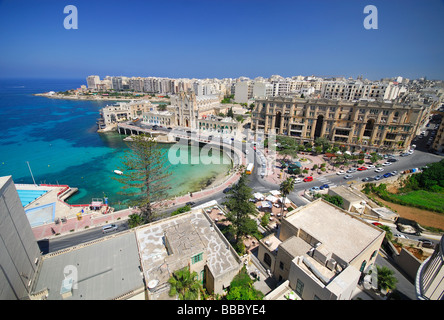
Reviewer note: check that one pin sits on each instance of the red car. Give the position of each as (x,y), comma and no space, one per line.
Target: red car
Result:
(362,168)
(308,179)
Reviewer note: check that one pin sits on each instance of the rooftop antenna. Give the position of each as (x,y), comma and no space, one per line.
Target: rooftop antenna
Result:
(31,172)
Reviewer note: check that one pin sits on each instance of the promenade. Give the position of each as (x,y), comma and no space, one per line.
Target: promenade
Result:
(96,219)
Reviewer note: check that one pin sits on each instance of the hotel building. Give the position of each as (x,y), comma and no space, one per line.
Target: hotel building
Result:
(321,251)
(369,125)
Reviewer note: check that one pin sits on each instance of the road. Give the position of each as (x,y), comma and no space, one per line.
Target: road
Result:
(258,184)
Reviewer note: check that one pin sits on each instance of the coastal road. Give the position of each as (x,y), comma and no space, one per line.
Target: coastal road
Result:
(258,184)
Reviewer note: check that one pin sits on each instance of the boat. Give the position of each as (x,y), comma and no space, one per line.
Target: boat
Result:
(118,172)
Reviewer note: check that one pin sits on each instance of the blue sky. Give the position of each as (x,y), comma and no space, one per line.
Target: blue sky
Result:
(212,38)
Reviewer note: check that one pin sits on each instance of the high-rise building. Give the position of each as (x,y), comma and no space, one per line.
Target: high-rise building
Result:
(92,82)
(19,252)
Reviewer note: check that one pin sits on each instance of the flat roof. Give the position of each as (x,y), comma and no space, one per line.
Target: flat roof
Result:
(168,245)
(340,232)
(104,270)
(347,193)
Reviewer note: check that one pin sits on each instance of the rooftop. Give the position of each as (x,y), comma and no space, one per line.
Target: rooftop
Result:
(167,246)
(338,231)
(104,270)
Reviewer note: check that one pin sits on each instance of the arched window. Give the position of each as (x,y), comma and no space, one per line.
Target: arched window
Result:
(363,266)
(267,259)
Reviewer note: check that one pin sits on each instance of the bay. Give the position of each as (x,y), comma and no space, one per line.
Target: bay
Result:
(58,139)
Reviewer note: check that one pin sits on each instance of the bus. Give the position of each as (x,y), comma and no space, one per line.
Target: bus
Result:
(250,167)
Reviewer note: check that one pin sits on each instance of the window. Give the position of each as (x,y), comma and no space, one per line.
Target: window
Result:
(363,266)
(281,265)
(267,259)
(196,258)
(299,287)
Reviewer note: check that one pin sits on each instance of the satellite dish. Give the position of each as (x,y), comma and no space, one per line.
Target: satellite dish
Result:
(152,284)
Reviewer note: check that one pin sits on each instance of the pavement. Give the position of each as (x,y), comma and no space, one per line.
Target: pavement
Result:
(93,219)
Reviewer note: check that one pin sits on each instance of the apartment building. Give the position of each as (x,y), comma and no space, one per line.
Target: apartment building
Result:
(322,251)
(92,82)
(262,89)
(243,91)
(352,90)
(136,84)
(367,125)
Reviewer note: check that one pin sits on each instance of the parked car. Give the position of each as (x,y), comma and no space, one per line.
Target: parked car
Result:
(340,172)
(368,179)
(392,160)
(314,189)
(378,178)
(394,173)
(351,170)
(387,163)
(427,243)
(348,176)
(362,168)
(297,180)
(379,170)
(388,174)
(371,166)
(190,203)
(308,179)
(376,224)
(398,235)
(324,186)
(226,190)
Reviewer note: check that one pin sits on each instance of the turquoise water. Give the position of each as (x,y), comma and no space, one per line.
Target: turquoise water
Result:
(58,139)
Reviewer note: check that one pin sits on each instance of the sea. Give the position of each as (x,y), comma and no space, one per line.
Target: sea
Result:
(54,141)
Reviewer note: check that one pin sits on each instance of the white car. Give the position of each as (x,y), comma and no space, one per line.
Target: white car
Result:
(379,170)
(340,172)
(371,166)
(297,180)
(386,163)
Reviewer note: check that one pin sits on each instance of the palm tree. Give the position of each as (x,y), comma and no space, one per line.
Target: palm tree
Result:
(285,188)
(386,280)
(185,284)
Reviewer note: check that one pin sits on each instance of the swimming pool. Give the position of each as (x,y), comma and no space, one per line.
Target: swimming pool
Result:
(27,196)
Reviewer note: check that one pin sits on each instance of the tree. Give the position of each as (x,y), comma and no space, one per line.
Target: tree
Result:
(322,142)
(386,279)
(241,288)
(285,188)
(162,107)
(134,220)
(145,176)
(185,284)
(240,208)
(336,200)
(230,113)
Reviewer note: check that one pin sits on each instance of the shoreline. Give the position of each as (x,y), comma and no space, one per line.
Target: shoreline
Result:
(96,98)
